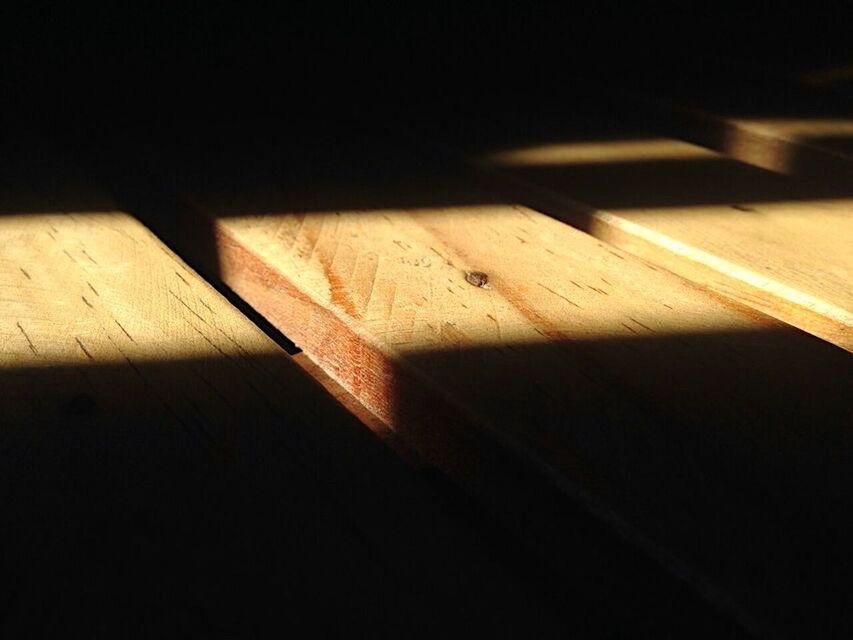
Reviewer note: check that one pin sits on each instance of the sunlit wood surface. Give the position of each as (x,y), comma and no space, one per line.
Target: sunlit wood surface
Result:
(167,468)
(699,427)
(779,245)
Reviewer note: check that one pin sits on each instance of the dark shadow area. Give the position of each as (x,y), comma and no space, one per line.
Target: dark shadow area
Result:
(138,501)
(171,508)
(727,454)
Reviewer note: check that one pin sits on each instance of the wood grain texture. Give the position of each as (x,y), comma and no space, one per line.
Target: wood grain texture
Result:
(781,246)
(165,465)
(690,422)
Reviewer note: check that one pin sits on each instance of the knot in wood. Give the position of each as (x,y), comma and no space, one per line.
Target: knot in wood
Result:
(477,278)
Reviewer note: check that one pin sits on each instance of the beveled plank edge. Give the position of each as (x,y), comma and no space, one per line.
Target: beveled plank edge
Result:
(352,404)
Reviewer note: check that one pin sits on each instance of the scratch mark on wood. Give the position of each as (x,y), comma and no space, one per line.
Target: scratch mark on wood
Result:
(188,307)
(629,328)
(27,338)
(24,271)
(200,422)
(88,304)
(181,278)
(216,391)
(615,254)
(95,291)
(641,324)
(209,341)
(85,253)
(576,284)
(130,337)
(70,257)
(150,386)
(446,261)
(574,304)
(83,347)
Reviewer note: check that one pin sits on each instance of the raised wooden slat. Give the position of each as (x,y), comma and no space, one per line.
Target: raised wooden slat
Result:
(714,436)
(164,465)
(778,245)
(774,125)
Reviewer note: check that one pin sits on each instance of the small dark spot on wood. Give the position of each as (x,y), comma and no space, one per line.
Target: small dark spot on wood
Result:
(477,278)
(743,207)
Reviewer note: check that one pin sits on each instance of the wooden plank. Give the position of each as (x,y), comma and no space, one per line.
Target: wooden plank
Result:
(776,125)
(165,465)
(712,435)
(778,245)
